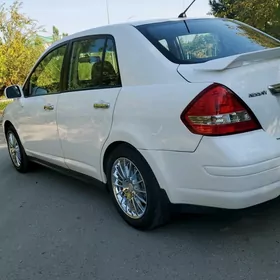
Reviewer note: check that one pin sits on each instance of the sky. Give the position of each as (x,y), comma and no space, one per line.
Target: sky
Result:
(72,16)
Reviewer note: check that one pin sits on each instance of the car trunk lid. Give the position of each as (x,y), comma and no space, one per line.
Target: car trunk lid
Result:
(254,77)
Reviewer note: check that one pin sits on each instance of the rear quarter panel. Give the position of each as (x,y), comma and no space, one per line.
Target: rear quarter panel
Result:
(152,98)
(148,117)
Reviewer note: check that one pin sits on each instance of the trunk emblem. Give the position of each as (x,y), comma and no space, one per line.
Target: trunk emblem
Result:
(256,94)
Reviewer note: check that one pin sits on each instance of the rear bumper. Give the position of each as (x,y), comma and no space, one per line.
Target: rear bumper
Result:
(231,172)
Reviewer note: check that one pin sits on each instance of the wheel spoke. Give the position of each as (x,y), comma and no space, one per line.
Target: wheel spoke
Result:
(140,198)
(119,186)
(123,174)
(17,159)
(14,149)
(119,192)
(11,140)
(122,200)
(139,205)
(129,188)
(140,191)
(118,174)
(134,205)
(138,182)
(14,158)
(126,205)
(135,172)
(129,169)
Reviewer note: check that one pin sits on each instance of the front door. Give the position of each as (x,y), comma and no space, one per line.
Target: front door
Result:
(37,117)
(85,111)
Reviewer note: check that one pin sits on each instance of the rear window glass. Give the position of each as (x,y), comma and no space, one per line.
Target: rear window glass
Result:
(201,40)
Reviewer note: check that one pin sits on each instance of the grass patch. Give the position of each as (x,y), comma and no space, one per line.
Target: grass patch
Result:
(3,104)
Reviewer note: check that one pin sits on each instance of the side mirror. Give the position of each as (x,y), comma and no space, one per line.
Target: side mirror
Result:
(12,92)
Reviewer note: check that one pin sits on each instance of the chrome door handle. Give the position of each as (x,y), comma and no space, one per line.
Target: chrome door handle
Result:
(101,105)
(48,107)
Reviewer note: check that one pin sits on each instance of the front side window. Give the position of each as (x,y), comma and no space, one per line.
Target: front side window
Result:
(46,78)
(93,64)
(201,40)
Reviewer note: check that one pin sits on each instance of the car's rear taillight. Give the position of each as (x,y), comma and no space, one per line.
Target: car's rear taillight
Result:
(218,111)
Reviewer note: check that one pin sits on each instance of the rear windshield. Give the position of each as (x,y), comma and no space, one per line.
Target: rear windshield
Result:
(201,40)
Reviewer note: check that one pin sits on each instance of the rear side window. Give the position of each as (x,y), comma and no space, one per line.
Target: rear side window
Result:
(93,64)
(201,40)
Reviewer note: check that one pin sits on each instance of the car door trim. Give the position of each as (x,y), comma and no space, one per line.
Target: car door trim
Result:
(69,172)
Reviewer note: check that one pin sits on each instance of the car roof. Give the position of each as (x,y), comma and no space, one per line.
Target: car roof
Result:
(107,29)
(143,22)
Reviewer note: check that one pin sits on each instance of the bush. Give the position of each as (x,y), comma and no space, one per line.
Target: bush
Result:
(3,104)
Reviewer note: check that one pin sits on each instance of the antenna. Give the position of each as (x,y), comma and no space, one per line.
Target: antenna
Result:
(183,14)
(108,15)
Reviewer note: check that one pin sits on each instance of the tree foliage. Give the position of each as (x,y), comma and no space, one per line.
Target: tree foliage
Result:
(20,44)
(261,14)
(56,34)
(202,46)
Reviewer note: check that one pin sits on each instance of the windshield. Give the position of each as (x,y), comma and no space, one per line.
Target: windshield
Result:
(201,40)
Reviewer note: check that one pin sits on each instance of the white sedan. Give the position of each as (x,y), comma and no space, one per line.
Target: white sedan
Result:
(163,112)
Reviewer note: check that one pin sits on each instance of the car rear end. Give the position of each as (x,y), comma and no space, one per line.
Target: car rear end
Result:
(237,113)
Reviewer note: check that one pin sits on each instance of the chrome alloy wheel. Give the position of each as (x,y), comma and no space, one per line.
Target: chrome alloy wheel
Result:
(129,188)
(14,149)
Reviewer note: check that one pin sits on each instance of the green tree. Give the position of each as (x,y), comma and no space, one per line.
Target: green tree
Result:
(260,14)
(202,46)
(223,8)
(56,34)
(20,45)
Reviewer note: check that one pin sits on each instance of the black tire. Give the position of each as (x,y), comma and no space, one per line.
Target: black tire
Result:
(24,163)
(157,211)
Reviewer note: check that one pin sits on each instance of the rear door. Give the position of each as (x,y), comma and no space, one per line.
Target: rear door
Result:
(85,110)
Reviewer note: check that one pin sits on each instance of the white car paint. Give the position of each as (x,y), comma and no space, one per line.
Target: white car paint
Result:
(39,128)
(233,171)
(252,75)
(80,125)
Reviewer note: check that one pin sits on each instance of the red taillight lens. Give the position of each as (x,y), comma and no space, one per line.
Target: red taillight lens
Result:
(218,111)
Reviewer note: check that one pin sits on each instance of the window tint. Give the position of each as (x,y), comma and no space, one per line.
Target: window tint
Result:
(201,40)
(93,64)
(202,45)
(85,54)
(46,77)
(110,73)
(164,43)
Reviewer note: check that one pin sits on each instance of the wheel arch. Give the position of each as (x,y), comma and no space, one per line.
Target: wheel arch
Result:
(109,149)
(162,199)
(7,124)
